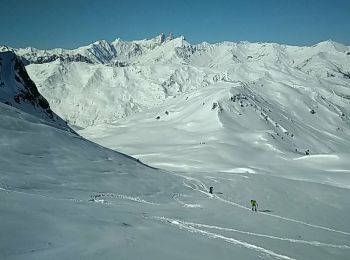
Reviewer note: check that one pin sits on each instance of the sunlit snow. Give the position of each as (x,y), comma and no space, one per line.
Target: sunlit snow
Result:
(252,120)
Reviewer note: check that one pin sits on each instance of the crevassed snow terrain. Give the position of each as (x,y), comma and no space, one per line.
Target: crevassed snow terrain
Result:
(239,117)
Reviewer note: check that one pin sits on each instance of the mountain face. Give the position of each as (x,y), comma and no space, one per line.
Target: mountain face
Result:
(251,120)
(121,78)
(99,52)
(103,82)
(263,97)
(19,91)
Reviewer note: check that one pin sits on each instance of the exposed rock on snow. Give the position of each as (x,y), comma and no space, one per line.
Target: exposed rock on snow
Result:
(18,90)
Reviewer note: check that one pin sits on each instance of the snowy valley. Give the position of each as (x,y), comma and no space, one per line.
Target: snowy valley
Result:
(252,120)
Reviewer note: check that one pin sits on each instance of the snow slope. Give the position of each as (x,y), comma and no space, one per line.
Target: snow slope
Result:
(274,127)
(249,144)
(240,117)
(227,126)
(68,198)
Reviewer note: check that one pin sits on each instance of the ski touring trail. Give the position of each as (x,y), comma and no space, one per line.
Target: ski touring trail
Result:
(182,225)
(199,186)
(198,225)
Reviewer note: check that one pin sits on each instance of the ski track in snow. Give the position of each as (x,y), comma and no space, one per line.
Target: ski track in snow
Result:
(201,187)
(284,218)
(182,225)
(195,185)
(95,198)
(183,204)
(189,182)
(125,197)
(313,243)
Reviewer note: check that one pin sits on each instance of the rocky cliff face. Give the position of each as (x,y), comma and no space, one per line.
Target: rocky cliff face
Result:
(18,90)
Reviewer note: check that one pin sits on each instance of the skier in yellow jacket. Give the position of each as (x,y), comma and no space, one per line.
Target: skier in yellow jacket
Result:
(254,205)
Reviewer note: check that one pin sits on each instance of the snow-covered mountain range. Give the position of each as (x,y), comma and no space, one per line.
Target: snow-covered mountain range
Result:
(252,120)
(299,96)
(110,81)
(110,53)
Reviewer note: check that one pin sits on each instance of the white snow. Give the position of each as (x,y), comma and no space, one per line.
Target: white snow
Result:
(232,116)
(69,198)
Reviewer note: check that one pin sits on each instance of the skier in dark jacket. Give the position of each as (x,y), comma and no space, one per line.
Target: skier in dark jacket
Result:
(254,205)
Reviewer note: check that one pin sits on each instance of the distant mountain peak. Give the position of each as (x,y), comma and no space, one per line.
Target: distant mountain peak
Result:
(161,37)
(331,45)
(170,37)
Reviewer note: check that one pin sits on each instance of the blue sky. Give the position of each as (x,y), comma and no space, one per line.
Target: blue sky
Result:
(73,23)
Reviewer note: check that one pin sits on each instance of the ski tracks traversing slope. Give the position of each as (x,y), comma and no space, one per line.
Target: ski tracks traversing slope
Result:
(183,225)
(313,243)
(220,232)
(198,228)
(98,197)
(283,218)
(207,230)
(199,186)
(177,198)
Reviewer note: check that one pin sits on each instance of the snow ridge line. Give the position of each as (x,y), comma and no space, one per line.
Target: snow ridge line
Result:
(181,225)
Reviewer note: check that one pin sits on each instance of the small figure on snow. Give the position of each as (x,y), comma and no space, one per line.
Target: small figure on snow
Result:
(211,190)
(254,205)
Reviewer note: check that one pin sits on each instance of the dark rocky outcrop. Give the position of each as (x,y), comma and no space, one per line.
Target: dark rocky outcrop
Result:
(19,91)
